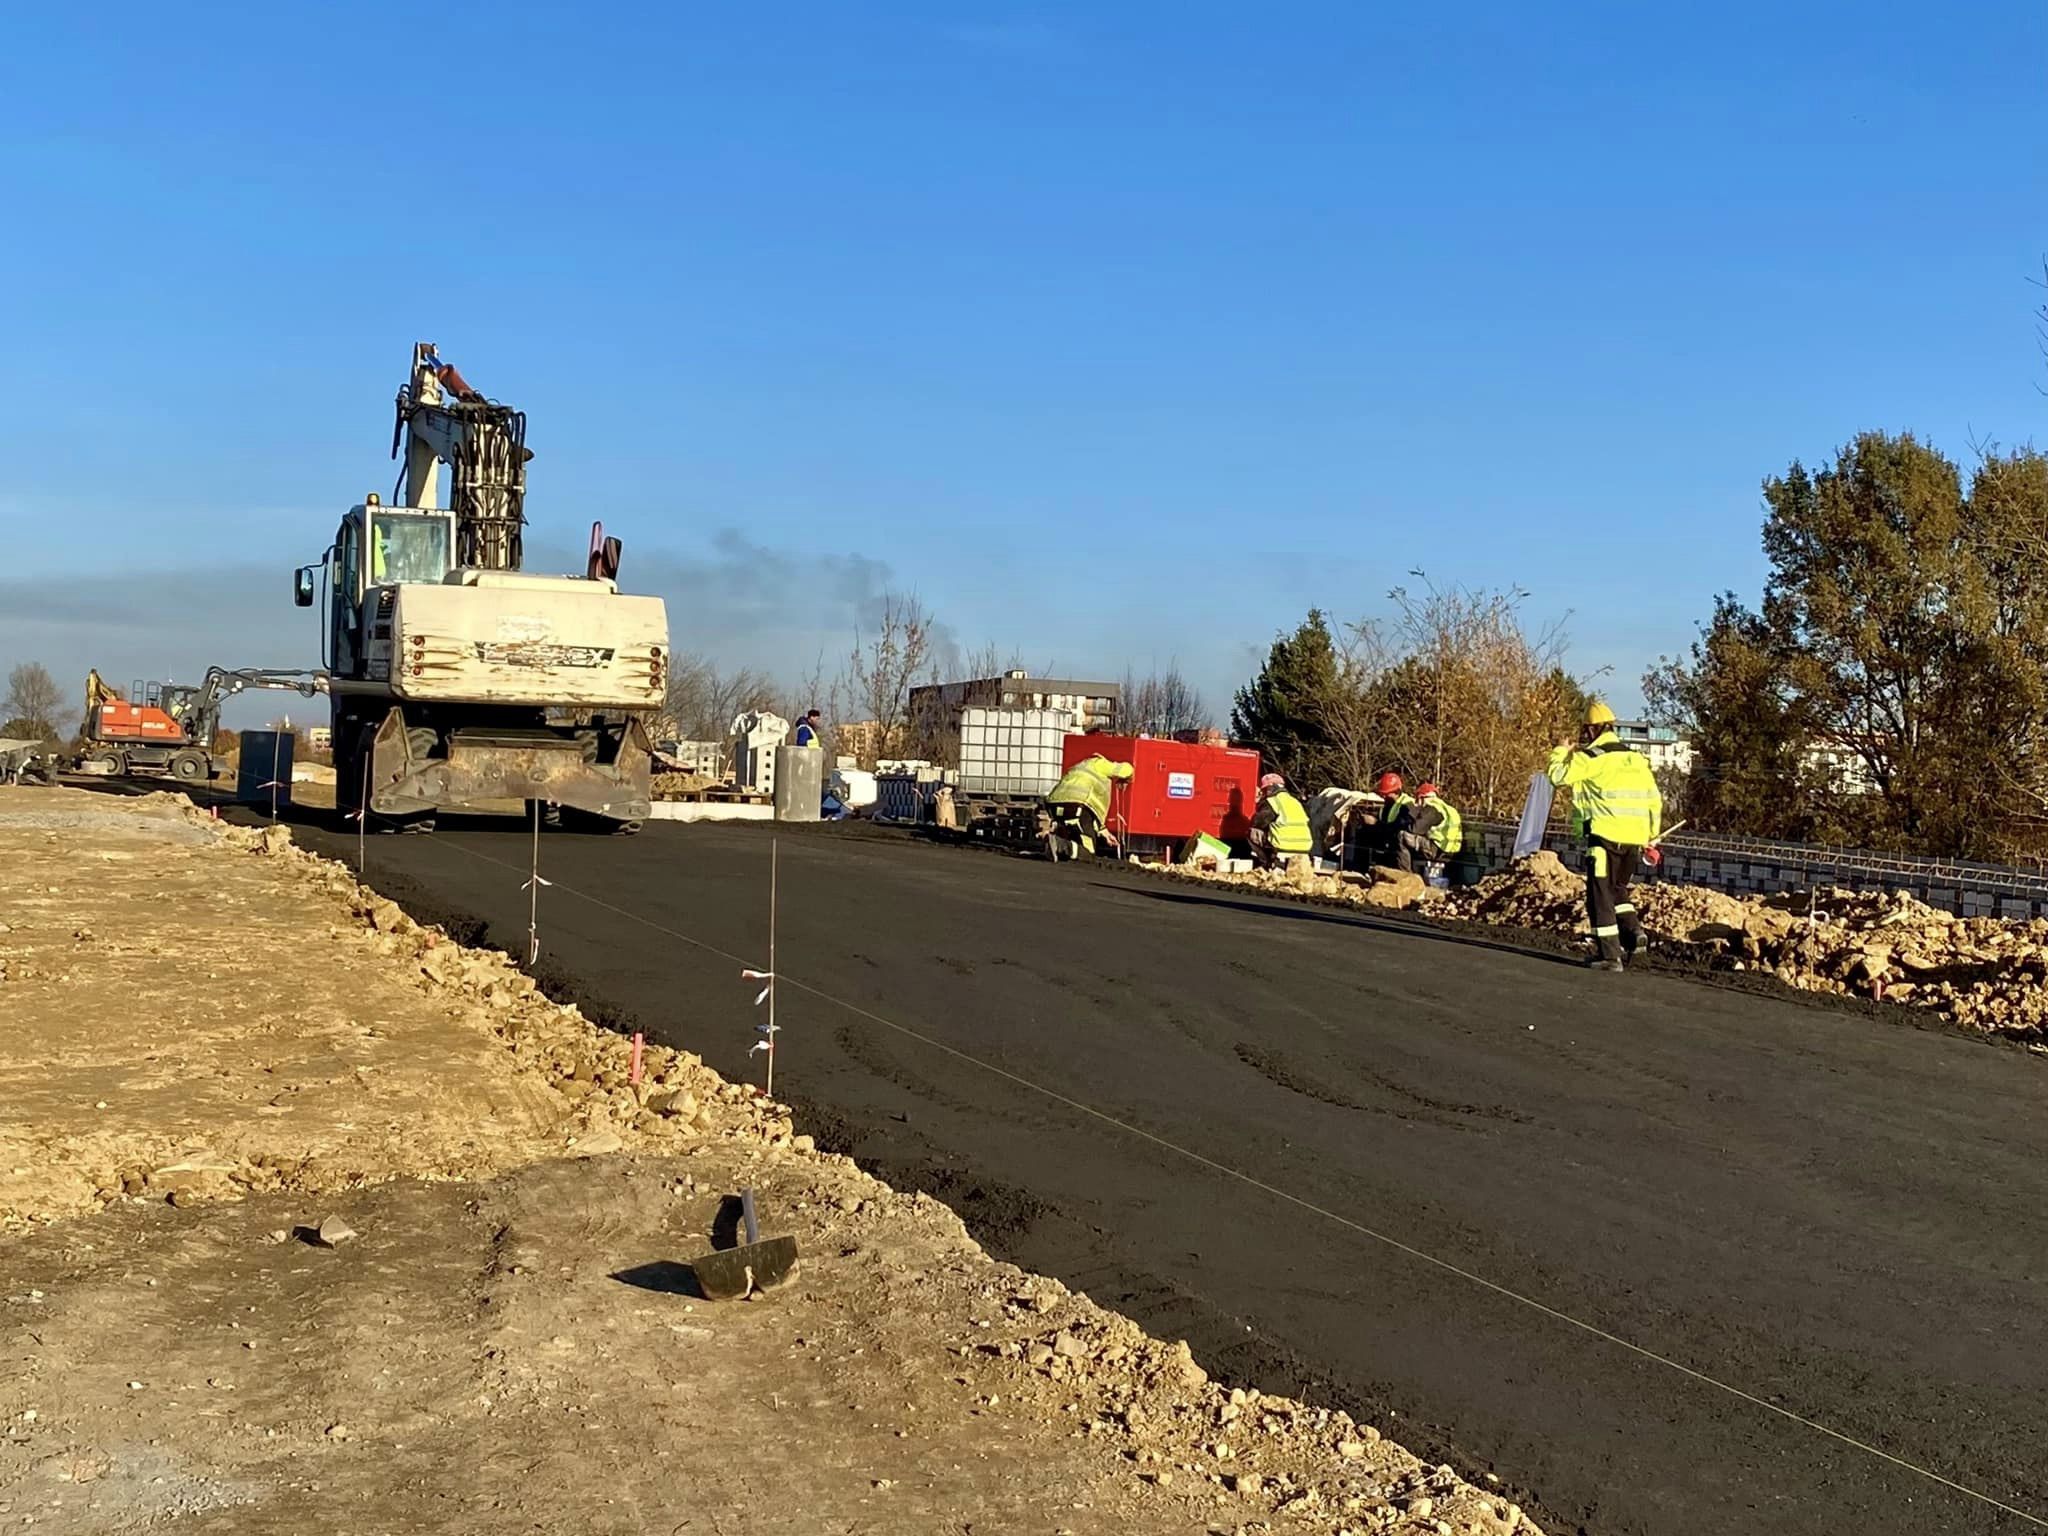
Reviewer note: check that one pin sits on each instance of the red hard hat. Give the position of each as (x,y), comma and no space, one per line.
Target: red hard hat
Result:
(1389,784)
(1425,791)
(1272,781)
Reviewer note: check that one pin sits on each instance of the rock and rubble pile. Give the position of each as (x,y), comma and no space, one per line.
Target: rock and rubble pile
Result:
(1185,1434)
(1538,892)
(1388,889)
(1983,973)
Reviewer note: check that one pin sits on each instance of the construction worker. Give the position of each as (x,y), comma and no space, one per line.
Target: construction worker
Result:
(1077,810)
(807,733)
(1617,812)
(96,693)
(1432,830)
(1280,829)
(1393,811)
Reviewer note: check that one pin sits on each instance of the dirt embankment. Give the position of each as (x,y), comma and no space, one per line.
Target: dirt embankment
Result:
(215,1046)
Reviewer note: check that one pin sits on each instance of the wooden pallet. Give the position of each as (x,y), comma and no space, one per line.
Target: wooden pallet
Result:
(719,794)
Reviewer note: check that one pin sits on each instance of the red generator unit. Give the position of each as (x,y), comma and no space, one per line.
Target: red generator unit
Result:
(1178,788)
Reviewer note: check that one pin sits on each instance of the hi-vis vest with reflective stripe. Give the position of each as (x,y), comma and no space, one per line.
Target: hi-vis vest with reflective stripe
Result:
(1087,783)
(1614,791)
(1289,832)
(1448,834)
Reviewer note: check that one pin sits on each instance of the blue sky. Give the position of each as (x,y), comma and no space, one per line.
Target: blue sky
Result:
(1236,309)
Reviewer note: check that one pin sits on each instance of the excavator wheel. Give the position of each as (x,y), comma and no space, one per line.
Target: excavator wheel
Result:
(190,768)
(574,820)
(113,764)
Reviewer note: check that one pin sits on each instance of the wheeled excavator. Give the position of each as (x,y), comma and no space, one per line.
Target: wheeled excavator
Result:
(457,680)
(166,730)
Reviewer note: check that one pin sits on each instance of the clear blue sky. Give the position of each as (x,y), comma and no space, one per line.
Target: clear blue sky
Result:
(1229,310)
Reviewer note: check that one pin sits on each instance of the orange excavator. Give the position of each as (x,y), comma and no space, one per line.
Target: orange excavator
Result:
(166,730)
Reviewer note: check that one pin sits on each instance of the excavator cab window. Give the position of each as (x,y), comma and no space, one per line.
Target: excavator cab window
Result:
(348,576)
(408,546)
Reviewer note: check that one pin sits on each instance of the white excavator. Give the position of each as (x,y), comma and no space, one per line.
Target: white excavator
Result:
(458,681)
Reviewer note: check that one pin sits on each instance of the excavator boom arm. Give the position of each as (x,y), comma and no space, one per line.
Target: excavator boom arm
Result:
(442,420)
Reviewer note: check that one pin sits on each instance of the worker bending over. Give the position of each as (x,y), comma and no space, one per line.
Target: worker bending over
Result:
(1280,829)
(1077,810)
(1617,811)
(1395,803)
(1431,830)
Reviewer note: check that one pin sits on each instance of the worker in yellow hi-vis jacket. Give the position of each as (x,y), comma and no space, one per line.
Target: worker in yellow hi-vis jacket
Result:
(1077,810)
(1617,812)
(1280,829)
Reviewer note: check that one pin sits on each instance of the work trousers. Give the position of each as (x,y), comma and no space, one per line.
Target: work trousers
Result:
(1610,867)
(1410,846)
(1077,825)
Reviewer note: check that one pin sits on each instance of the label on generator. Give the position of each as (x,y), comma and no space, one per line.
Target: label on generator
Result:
(1180,786)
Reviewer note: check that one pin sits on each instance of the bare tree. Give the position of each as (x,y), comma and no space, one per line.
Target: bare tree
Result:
(992,660)
(702,702)
(1473,700)
(1356,715)
(34,702)
(886,662)
(1162,703)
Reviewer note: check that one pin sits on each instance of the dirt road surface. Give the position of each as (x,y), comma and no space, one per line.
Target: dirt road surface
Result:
(1842,1218)
(313,1221)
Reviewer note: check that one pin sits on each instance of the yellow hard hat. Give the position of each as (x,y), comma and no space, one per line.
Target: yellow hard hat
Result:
(1599,714)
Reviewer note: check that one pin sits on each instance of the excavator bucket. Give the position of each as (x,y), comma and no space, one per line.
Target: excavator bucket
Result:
(607,772)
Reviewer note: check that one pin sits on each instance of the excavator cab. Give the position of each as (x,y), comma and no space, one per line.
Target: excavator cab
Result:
(410,546)
(379,546)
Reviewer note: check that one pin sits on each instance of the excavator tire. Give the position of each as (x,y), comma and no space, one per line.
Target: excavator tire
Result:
(574,820)
(190,768)
(112,764)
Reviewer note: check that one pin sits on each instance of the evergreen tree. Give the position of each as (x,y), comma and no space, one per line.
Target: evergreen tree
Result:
(1283,711)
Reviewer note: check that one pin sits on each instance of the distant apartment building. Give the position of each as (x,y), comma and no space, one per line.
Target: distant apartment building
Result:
(861,740)
(1834,759)
(1664,747)
(1837,760)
